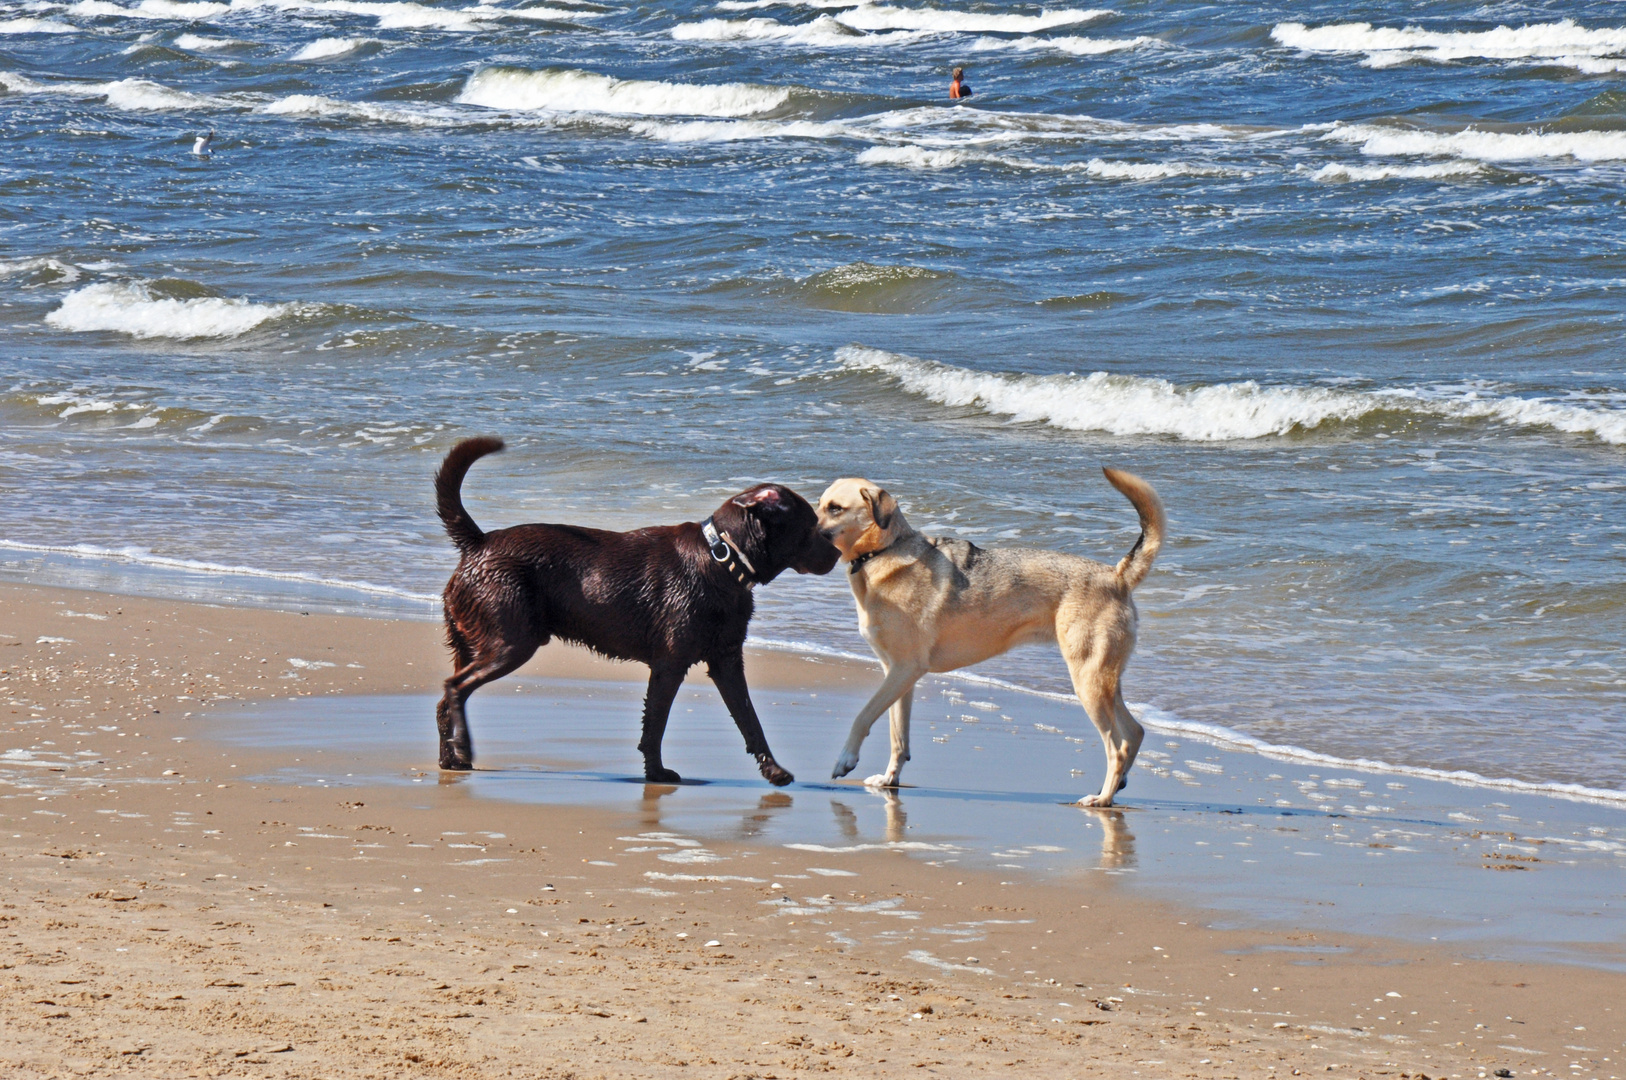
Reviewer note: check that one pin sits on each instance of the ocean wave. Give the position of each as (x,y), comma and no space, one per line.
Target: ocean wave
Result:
(1223,412)
(918,157)
(1073,46)
(36,26)
(1563,41)
(132,308)
(738,130)
(143,557)
(134,95)
(150,9)
(824,31)
(326,108)
(1445,170)
(1379,141)
(198,43)
(755,5)
(570,90)
(874,289)
(44,270)
(883,17)
(327,48)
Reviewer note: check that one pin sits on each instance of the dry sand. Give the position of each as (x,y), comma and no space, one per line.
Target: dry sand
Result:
(161,916)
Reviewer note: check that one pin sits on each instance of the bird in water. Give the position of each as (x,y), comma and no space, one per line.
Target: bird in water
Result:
(201,146)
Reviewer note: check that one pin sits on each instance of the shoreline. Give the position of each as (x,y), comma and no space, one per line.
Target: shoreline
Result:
(1151,716)
(159,866)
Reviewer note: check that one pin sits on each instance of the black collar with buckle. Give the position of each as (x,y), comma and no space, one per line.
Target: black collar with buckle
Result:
(725,551)
(854,566)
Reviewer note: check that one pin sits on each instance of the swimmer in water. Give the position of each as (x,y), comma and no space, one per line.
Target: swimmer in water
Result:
(958,89)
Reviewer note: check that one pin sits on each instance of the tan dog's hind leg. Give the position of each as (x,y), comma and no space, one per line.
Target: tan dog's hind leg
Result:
(1121,735)
(900,742)
(900,679)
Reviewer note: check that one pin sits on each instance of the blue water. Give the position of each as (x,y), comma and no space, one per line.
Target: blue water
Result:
(1343,281)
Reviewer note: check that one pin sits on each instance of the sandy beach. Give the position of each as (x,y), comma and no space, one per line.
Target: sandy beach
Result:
(163,915)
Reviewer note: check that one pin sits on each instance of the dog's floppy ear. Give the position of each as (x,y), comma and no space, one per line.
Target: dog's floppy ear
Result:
(767,497)
(881,506)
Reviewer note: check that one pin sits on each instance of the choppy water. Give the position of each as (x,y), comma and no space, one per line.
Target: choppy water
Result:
(1344,282)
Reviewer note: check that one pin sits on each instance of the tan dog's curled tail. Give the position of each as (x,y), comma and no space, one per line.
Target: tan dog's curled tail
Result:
(1133,568)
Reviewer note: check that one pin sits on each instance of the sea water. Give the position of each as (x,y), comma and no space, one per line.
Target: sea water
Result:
(1343,281)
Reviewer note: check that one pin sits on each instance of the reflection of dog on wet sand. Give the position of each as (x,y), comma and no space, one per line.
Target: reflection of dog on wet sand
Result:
(928,604)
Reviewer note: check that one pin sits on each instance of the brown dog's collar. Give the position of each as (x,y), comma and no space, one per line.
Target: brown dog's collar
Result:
(725,551)
(854,566)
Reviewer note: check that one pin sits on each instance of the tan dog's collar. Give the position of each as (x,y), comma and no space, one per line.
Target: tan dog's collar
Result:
(854,566)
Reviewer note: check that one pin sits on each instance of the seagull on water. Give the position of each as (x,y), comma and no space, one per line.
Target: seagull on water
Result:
(201,147)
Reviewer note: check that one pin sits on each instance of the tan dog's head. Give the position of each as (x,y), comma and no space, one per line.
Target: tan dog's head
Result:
(859,517)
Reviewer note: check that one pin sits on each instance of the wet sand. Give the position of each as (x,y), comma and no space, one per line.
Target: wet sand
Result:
(167,911)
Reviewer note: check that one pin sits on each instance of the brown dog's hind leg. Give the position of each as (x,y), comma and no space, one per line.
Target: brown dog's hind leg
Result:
(456,746)
(663,687)
(1098,691)
(728,673)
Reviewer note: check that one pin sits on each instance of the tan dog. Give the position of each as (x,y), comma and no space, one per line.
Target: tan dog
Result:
(926,604)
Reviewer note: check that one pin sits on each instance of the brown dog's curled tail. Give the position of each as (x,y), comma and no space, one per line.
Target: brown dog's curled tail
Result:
(449,492)
(1133,568)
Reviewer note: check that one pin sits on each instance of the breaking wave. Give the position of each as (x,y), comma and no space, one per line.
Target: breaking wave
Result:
(570,90)
(328,48)
(1073,46)
(824,30)
(1131,405)
(1562,41)
(1446,170)
(918,157)
(36,26)
(133,308)
(882,17)
(1379,141)
(326,108)
(134,95)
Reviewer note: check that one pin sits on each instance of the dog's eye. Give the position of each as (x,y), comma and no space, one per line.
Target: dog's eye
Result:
(833,508)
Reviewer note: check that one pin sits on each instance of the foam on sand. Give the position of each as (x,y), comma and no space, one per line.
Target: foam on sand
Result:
(1562,41)
(1131,405)
(1073,46)
(882,17)
(132,308)
(569,90)
(1379,141)
(327,48)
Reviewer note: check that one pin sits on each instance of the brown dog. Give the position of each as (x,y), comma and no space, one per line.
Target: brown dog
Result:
(671,597)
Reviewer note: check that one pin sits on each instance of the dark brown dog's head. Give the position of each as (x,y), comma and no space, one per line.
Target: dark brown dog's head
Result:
(778,531)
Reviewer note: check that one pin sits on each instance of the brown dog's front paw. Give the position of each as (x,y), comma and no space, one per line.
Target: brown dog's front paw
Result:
(773,772)
(453,763)
(661,775)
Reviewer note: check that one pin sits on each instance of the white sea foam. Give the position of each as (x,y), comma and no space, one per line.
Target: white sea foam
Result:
(754,5)
(326,108)
(129,94)
(1073,46)
(824,31)
(1444,170)
(1132,405)
(884,17)
(36,26)
(150,9)
(1380,141)
(919,157)
(568,90)
(688,131)
(198,43)
(143,557)
(62,273)
(131,308)
(1563,41)
(327,48)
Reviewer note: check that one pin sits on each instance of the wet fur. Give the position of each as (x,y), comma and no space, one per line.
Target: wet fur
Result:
(928,604)
(655,596)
